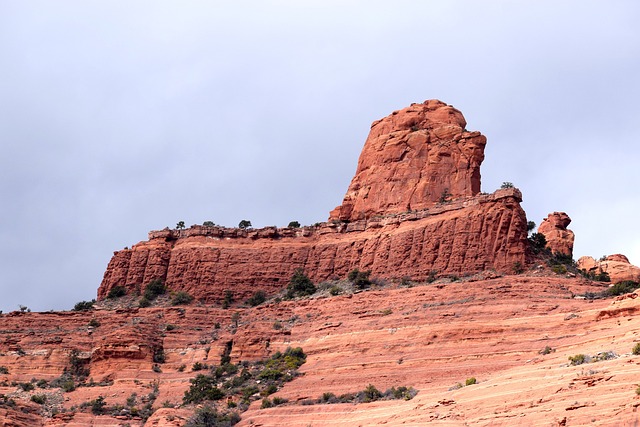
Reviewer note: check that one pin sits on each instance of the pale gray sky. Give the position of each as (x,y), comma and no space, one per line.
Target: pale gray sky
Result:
(121,117)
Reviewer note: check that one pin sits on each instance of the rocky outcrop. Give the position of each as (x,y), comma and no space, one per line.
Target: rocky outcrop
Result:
(412,209)
(413,159)
(463,236)
(617,266)
(559,238)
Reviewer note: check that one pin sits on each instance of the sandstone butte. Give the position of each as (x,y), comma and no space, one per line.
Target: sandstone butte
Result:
(513,333)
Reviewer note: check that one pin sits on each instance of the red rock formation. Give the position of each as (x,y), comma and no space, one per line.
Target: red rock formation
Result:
(617,266)
(393,221)
(463,236)
(412,159)
(554,229)
(428,337)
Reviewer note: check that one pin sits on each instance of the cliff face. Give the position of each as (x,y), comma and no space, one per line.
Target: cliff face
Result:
(412,208)
(412,159)
(464,236)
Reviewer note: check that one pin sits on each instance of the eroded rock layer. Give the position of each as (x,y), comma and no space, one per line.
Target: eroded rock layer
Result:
(464,236)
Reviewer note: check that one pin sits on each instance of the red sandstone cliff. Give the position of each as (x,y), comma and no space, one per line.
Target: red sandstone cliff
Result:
(464,236)
(411,160)
(412,208)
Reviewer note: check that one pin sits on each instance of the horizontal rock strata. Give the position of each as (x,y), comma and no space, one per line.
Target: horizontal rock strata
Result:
(462,236)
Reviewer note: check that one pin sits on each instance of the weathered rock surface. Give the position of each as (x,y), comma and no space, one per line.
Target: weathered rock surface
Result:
(617,266)
(554,229)
(412,159)
(429,337)
(393,221)
(459,237)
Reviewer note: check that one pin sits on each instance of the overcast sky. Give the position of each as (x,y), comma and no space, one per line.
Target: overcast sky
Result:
(120,117)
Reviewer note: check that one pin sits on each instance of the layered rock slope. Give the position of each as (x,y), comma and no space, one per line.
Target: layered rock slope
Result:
(514,334)
(412,209)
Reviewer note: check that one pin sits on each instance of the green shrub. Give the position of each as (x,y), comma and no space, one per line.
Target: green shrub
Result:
(445,196)
(144,302)
(546,350)
(257,298)
(636,349)
(26,386)
(506,184)
(537,241)
(335,290)
(85,305)
(181,297)
(199,366)
(40,399)
(360,279)
(202,388)
(470,381)
(208,416)
(98,405)
(94,322)
(228,299)
(117,292)
(559,269)
(371,393)
(602,276)
(244,224)
(294,224)
(300,285)
(328,398)
(208,224)
(622,288)
(154,289)
(579,359)
(4,370)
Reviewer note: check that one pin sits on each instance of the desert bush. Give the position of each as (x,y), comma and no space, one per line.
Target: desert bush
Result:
(507,184)
(579,359)
(636,349)
(300,285)
(228,299)
(537,241)
(208,416)
(117,292)
(84,305)
(199,366)
(4,370)
(470,381)
(546,350)
(335,290)
(360,279)
(559,269)
(94,322)
(144,302)
(371,393)
(26,386)
(154,289)
(294,224)
(40,399)
(181,297)
(622,288)
(98,405)
(203,387)
(257,298)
